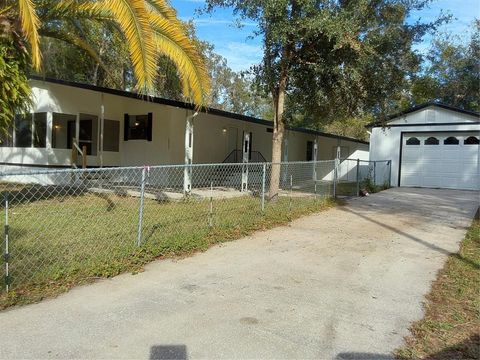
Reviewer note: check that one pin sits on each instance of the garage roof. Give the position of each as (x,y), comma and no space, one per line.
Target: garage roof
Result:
(380,123)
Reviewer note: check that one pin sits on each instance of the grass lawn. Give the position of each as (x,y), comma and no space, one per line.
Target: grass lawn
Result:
(450,328)
(57,242)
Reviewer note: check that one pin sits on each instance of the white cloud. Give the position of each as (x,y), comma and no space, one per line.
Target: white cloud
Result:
(240,55)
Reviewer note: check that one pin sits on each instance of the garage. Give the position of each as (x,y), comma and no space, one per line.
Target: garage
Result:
(432,145)
(440,160)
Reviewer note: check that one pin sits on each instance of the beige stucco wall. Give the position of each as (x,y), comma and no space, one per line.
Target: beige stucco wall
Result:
(214,136)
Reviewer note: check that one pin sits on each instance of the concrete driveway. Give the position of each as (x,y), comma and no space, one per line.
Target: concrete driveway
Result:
(343,284)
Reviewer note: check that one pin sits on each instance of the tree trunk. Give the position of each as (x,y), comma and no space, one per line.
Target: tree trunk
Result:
(277,139)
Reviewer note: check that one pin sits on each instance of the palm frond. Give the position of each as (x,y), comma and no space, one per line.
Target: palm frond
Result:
(30,23)
(172,42)
(162,8)
(133,19)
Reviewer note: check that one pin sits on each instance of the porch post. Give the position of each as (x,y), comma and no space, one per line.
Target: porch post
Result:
(285,147)
(102,124)
(246,153)
(187,172)
(49,142)
(285,157)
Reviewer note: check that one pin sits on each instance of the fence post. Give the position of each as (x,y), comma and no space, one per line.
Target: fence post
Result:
(263,186)
(290,197)
(335,179)
(358,177)
(140,211)
(374,173)
(7,251)
(210,213)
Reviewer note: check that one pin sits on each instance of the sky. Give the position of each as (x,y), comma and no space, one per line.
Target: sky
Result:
(241,51)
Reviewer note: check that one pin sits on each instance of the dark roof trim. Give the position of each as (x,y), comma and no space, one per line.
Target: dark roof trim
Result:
(421,107)
(188,106)
(432,124)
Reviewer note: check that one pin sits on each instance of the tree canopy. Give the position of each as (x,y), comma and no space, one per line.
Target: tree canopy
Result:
(324,59)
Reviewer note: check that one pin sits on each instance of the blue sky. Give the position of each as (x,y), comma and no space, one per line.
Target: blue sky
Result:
(241,52)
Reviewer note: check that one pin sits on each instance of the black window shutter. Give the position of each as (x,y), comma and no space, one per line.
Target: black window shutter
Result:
(126,126)
(150,126)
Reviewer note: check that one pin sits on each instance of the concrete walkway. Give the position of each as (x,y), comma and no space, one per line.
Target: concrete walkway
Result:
(343,284)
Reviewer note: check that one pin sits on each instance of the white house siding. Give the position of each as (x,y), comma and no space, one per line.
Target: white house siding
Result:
(214,135)
(385,142)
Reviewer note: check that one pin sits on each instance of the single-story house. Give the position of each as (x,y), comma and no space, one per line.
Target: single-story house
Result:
(431,145)
(119,128)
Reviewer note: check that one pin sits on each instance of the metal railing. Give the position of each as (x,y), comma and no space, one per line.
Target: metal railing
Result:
(236,156)
(76,224)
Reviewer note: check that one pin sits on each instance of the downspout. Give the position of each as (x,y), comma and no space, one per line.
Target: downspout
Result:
(187,173)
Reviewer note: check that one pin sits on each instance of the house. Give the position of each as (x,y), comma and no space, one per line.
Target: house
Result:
(118,128)
(432,145)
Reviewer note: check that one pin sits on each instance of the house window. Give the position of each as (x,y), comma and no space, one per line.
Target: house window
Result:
(111,135)
(63,130)
(23,130)
(40,130)
(138,127)
(413,141)
(270,130)
(432,141)
(451,140)
(471,140)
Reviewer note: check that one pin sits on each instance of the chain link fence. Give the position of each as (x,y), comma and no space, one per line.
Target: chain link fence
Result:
(77,224)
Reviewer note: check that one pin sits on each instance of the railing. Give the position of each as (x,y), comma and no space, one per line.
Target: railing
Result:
(75,151)
(236,156)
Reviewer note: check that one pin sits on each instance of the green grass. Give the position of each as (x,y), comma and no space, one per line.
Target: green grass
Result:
(64,241)
(450,327)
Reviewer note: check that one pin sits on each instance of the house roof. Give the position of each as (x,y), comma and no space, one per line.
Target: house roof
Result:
(380,123)
(189,106)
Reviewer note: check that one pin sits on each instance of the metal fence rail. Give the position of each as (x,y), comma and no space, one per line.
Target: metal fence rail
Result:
(75,224)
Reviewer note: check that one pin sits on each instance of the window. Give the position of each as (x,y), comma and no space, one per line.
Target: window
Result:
(432,141)
(413,141)
(309,150)
(138,127)
(451,140)
(63,130)
(40,130)
(270,130)
(88,133)
(471,140)
(111,135)
(23,130)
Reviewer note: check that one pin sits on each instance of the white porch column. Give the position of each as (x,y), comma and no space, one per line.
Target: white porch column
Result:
(49,141)
(285,146)
(285,156)
(187,172)
(246,153)
(102,127)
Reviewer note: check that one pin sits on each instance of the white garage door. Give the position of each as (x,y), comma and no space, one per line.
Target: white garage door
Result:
(440,160)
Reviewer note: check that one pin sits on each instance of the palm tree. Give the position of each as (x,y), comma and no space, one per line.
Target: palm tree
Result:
(150,29)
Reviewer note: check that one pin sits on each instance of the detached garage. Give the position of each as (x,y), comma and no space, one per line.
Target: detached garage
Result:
(432,145)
